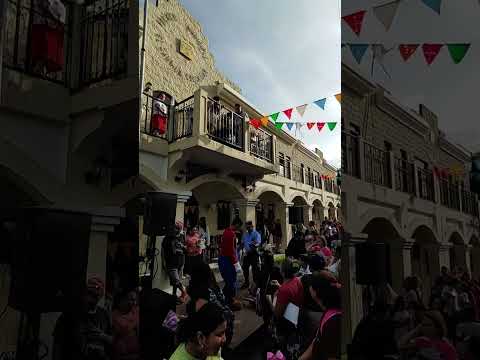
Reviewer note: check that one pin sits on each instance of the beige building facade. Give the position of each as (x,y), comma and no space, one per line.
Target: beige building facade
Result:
(208,155)
(63,117)
(393,194)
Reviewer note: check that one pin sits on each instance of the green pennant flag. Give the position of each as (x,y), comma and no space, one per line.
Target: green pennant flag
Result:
(274,116)
(278,125)
(458,51)
(331,125)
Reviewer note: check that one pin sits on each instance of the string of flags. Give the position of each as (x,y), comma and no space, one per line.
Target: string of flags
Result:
(274,118)
(444,173)
(385,14)
(430,51)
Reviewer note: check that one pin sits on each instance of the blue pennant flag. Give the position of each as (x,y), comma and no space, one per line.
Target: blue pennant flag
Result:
(321,103)
(290,126)
(358,51)
(435,5)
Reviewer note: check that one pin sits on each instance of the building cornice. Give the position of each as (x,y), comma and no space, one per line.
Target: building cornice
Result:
(453,150)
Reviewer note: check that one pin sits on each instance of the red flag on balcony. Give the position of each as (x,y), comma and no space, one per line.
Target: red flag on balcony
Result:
(255,123)
(355,21)
(288,112)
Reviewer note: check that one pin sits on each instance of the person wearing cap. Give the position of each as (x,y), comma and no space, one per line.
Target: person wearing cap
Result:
(251,240)
(86,333)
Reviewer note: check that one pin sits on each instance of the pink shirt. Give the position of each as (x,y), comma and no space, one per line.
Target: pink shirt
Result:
(192,243)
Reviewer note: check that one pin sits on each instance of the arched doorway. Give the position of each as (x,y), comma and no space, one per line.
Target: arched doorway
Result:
(317,213)
(269,210)
(475,257)
(425,258)
(457,252)
(382,232)
(297,212)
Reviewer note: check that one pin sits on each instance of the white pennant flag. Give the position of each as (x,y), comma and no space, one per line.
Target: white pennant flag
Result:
(379,52)
(386,13)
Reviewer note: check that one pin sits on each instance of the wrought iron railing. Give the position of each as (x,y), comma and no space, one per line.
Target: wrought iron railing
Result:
(224,125)
(350,154)
(182,126)
(426,189)
(153,119)
(449,194)
(261,144)
(104,40)
(469,203)
(377,167)
(404,176)
(36,42)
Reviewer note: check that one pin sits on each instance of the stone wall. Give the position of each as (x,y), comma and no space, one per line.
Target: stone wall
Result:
(165,67)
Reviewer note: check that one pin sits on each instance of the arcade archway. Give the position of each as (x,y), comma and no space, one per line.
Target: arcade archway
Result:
(318,213)
(332,213)
(425,258)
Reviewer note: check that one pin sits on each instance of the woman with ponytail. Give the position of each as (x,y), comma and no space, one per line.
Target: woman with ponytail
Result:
(326,291)
(202,334)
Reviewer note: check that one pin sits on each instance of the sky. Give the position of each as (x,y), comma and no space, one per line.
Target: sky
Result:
(448,89)
(282,54)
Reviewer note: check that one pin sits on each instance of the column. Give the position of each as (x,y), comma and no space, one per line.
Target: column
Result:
(199,113)
(444,255)
(468,264)
(180,211)
(351,292)
(307,214)
(283,215)
(247,210)
(401,261)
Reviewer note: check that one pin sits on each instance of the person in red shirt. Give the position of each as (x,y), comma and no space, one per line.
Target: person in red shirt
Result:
(291,291)
(227,261)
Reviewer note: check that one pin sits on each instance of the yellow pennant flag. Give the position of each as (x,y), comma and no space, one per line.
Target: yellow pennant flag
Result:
(339,97)
(264,121)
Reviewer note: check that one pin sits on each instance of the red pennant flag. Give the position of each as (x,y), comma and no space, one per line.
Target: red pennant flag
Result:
(310,125)
(430,51)
(355,21)
(407,50)
(320,126)
(288,112)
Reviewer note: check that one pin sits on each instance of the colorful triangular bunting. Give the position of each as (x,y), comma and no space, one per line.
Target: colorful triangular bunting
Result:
(430,51)
(321,103)
(386,13)
(310,125)
(331,125)
(435,5)
(298,126)
(255,123)
(301,109)
(288,113)
(339,97)
(355,21)
(458,51)
(407,50)
(320,126)
(358,51)
(289,125)
(274,116)
(278,125)
(264,121)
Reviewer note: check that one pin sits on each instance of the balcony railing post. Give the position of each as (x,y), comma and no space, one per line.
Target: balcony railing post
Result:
(417,180)
(361,155)
(274,149)
(391,169)
(199,113)
(459,197)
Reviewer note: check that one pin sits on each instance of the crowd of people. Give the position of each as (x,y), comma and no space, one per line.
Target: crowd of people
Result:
(305,283)
(411,325)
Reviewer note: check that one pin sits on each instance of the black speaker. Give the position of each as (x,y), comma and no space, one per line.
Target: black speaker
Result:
(160,210)
(371,263)
(49,260)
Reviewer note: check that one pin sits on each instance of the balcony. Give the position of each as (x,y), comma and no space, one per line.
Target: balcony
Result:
(370,164)
(37,43)
(209,133)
